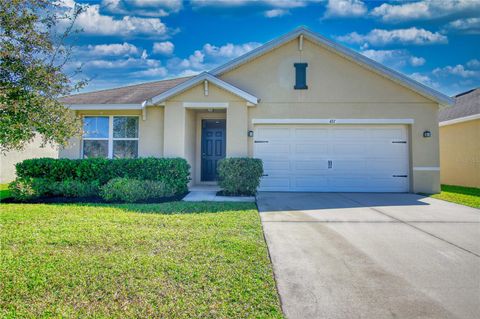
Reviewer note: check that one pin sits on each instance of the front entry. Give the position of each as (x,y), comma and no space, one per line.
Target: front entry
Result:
(213,147)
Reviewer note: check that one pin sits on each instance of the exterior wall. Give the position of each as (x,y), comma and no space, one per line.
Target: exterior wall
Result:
(150,142)
(460,154)
(339,88)
(31,150)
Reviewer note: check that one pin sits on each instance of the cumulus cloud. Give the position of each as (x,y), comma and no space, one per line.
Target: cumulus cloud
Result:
(394,58)
(474,63)
(237,3)
(152,8)
(91,21)
(209,57)
(158,72)
(425,79)
(457,70)
(426,9)
(467,25)
(404,36)
(114,49)
(345,8)
(274,13)
(165,48)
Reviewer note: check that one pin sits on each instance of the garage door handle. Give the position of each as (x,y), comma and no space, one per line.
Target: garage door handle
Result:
(261,142)
(265,175)
(399,142)
(399,175)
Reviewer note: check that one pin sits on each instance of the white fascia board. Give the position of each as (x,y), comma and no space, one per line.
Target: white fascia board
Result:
(205,105)
(101,107)
(333,121)
(345,52)
(460,120)
(200,78)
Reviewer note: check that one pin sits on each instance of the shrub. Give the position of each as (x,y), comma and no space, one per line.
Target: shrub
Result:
(240,176)
(173,172)
(23,189)
(134,190)
(75,188)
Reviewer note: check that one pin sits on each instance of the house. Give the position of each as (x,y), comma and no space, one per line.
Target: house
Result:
(460,140)
(321,117)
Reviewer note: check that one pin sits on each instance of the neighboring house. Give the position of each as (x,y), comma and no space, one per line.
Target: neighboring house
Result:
(460,140)
(31,150)
(321,117)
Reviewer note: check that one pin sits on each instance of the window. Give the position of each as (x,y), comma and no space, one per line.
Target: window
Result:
(110,136)
(300,76)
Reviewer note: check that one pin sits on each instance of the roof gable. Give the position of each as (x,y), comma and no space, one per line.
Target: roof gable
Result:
(343,51)
(205,76)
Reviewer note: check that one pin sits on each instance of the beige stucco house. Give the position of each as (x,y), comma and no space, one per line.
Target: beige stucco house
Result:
(321,117)
(460,141)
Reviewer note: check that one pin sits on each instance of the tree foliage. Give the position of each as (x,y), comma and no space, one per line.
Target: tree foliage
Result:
(33,52)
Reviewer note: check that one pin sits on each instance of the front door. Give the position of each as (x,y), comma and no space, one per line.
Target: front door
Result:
(213,147)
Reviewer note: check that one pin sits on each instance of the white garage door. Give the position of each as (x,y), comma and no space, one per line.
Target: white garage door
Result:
(333,158)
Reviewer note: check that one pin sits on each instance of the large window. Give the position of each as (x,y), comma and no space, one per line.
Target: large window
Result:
(110,136)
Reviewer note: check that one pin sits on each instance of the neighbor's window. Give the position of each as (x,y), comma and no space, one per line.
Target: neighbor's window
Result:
(110,136)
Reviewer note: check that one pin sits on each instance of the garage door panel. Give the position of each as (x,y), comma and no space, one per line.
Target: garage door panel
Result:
(333,158)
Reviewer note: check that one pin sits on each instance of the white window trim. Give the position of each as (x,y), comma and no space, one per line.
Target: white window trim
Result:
(110,138)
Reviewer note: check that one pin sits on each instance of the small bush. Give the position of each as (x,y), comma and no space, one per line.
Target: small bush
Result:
(23,189)
(240,176)
(134,190)
(75,188)
(173,172)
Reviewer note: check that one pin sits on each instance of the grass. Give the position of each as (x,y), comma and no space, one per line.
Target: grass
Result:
(4,192)
(171,260)
(468,196)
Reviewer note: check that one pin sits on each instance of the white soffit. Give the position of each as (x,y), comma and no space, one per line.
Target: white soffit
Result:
(460,120)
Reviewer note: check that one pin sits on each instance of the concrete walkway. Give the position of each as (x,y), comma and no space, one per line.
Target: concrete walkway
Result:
(209,194)
(347,255)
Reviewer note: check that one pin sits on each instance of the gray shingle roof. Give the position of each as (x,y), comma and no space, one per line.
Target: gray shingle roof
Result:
(132,94)
(466,104)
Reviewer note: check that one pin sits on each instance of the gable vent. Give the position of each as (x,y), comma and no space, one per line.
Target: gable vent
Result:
(300,76)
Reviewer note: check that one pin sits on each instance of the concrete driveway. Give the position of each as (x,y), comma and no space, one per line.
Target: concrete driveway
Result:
(352,255)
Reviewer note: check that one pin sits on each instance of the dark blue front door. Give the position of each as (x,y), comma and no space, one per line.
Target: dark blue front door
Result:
(213,147)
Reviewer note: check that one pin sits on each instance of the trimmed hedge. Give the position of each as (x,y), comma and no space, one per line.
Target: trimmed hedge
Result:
(173,172)
(134,190)
(24,189)
(240,175)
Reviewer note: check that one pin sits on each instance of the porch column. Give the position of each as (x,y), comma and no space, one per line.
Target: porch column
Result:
(174,130)
(237,129)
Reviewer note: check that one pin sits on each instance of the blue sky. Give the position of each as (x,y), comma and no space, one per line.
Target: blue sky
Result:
(132,41)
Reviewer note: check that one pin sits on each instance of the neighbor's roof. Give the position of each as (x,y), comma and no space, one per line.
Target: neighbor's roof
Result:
(466,104)
(133,94)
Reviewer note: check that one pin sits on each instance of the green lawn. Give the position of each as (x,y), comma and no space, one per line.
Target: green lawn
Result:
(171,260)
(4,192)
(468,196)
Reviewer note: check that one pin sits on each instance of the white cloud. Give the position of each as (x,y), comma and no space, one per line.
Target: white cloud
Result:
(152,8)
(114,49)
(238,3)
(425,79)
(274,13)
(345,8)
(229,50)
(425,9)
(159,72)
(417,61)
(404,36)
(474,63)
(209,57)
(91,21)
(468,25)
(457,70)
(393,58)
(165,48)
